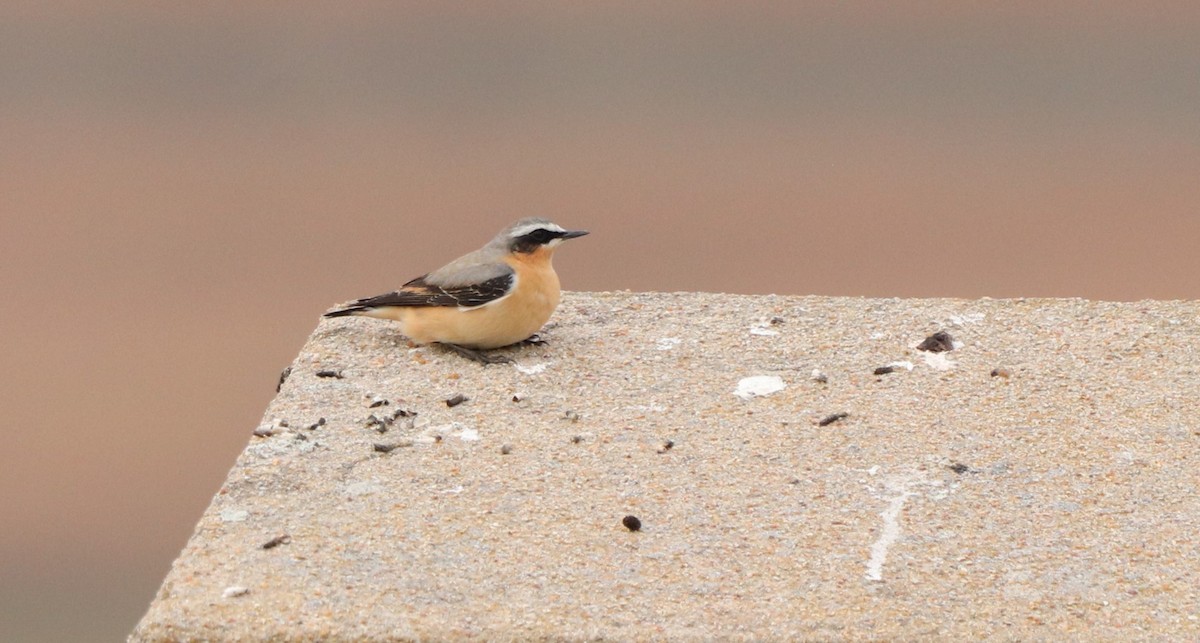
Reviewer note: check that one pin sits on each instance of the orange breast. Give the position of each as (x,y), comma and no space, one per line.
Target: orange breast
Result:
(504,322)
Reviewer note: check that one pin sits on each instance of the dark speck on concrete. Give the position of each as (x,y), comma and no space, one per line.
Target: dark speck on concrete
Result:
(277,541)
(830,419)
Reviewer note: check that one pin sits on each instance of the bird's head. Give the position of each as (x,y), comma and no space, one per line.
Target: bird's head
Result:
(530,235)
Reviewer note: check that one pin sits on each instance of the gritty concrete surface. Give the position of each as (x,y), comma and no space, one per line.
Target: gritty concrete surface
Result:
(1038,481)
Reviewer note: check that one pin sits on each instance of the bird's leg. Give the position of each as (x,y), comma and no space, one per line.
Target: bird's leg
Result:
(533,340)
(477,356)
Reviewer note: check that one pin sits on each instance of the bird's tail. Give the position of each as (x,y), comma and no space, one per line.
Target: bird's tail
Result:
(347,311)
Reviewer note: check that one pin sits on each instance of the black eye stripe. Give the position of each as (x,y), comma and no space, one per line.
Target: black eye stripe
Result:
(541,235)
(533,239)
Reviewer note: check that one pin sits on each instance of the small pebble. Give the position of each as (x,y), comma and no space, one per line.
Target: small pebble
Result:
(1000,372)
(328,372)
(667,446)
(939,342)
(379,424)
(505,449)
(377,402)
(283,378)
(234,591)
(456,400)
(884,370)
(632,523)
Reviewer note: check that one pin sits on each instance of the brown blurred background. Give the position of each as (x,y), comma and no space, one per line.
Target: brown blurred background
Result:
(185,187)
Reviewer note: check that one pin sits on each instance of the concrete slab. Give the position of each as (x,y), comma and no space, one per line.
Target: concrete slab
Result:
(1038,481)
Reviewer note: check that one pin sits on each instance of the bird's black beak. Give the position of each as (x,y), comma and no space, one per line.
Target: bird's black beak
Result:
(571,234)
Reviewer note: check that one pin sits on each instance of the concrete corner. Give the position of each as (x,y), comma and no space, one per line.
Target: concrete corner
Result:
(1036,481)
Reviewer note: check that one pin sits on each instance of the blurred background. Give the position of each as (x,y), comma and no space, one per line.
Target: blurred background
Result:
(185,187)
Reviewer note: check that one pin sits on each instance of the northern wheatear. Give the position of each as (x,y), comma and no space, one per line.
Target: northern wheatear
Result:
(498,295)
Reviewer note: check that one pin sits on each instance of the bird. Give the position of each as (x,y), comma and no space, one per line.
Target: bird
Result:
(496,296)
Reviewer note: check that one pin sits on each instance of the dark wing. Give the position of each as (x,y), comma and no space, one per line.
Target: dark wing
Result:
(467,296)
(420,293)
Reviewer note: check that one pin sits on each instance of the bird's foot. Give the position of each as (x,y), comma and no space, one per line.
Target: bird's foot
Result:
(533,340)
(478,356)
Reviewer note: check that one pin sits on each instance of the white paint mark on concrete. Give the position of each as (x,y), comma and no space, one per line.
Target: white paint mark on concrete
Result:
(904,364)
(234,591)
(759,386)
(901,488)
(531,370)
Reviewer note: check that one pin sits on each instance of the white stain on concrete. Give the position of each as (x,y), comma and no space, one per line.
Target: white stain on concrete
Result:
(758,386)
(533,369)
(363,488)
(233,514)
(452,430)
(966,318)
(763,329)
(667,343)
(939,361)
(899,489)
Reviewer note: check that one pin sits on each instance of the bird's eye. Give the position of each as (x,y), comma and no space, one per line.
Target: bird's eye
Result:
(541,235)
